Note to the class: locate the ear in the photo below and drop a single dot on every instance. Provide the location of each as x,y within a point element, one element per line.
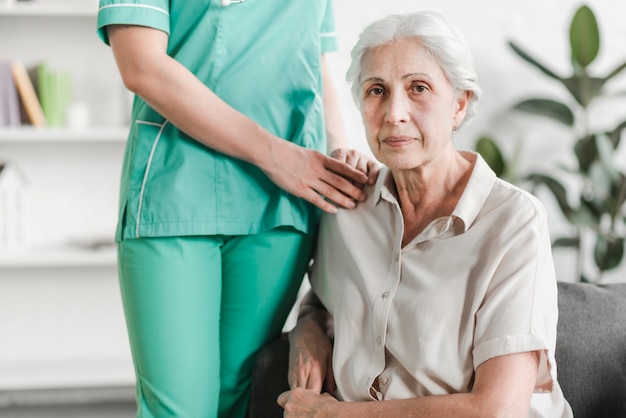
<point>462,100</point>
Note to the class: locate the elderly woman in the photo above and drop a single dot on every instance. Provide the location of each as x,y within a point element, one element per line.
<point>441,286</point>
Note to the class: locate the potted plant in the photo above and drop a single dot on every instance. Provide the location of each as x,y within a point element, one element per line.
<point>600,210</point>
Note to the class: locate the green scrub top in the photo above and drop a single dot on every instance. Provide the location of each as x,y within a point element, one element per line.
<point>263,58</point>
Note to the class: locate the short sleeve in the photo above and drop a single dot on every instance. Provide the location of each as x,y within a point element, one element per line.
<point>150,13</point>
<point>328,31</point>
<point>520,310</point>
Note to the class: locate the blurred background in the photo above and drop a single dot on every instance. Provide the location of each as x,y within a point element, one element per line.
<point>62,334</point>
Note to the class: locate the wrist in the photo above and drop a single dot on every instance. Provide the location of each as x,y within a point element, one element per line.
<point>334,409</point>
<point>264,154</point>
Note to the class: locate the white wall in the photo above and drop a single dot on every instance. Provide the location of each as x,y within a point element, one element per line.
<point>542,28</point>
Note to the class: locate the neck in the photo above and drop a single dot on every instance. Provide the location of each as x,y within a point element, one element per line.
<point>431,191</point>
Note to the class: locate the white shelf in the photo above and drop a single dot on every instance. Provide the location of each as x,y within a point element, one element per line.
<point>56,135</point>
<point>67,373</point>
<point>61,256</point>
<point>55,8</point>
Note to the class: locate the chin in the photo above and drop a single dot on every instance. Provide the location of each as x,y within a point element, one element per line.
<point>396,163</point>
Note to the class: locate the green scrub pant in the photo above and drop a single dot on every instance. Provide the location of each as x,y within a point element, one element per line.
<point>199,308</point>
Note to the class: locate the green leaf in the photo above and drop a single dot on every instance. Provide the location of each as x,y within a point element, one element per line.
<point>586,152</point>
<point>490,151</point>
<point>583,88</point>
<point>519,51</point>
<point>557,189</point>
<point>548,108</point>
<point>566,242</point>
<point>608,254</point>
<point>618,192</point>
<point>584,37</point>
<point>616,134</point>
<point>595,207</point>
<point>582,216</point>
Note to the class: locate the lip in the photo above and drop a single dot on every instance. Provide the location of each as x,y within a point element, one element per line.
<point>398,141</point>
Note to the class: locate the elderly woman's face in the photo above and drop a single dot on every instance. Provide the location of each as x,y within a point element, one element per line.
<point>408,106</point>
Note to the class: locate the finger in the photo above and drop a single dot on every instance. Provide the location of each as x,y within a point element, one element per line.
<point>315,198</point>
<point>362,165</point>
<point>341,185</point>
<point>345,171</point>
<point>303,377</point>
<point>372,172</point>
<point>352,159</point>
<point>339,154</point>
<point>293,378</point>
<point>335,196</point>
<point>315,380</point>
<point>283,398</point>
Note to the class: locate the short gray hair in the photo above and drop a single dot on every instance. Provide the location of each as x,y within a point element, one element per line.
<point>439,36</point>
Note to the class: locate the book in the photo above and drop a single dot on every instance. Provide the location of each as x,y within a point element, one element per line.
<point>55,93</point>
<point>9,102</point>
<point>28,95</point>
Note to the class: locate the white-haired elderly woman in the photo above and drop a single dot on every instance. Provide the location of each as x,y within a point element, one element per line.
<point>441,286</point>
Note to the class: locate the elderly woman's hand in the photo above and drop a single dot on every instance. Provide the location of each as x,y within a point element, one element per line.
<point>360,161</point>
<point>306,403</point>
<point>310,358</point>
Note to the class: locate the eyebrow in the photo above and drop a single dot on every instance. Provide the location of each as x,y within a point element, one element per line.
<point>372,80</point>
<point>404,77</point>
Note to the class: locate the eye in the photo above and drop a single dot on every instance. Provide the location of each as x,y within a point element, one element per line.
<point>418,88</point>
<point>375,91</point>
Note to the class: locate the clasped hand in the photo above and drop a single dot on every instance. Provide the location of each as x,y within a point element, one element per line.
<point>310,372</point>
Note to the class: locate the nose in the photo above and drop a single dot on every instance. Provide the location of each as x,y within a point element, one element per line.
<point>397,110</point>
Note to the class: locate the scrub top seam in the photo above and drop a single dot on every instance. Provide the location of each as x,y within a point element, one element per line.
<point>144,6</point>
<point>145,176</point>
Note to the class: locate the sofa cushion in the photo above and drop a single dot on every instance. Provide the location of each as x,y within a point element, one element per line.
<point>591,348</point>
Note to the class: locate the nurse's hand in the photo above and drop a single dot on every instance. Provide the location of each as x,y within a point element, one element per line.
<point>315,177</point>
<point>310,358</point>
<point>306,403</point>
<point>360,161</point>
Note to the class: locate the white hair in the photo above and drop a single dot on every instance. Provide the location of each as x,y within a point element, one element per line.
<point>439,37</point>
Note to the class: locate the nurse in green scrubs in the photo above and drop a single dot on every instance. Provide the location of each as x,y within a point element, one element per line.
<point>224,174</point>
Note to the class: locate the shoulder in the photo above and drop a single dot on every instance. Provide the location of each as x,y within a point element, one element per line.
<point>511,198</point>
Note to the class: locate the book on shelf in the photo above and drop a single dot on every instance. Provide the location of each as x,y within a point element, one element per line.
<point>9,102</point>
<point>55,93</point>
<point>28,95</point>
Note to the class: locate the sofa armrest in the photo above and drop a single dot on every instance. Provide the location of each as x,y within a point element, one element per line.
<point>591,348</point>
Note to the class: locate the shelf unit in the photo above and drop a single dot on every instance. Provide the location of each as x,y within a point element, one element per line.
<point>49,9</point>
<point>59,294</point>
<point>60,257</point>
<point>28,134</point>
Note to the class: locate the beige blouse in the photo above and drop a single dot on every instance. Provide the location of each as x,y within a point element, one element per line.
<point>419,320</point>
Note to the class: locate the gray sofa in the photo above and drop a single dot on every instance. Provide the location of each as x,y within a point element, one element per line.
<point>590,353</point>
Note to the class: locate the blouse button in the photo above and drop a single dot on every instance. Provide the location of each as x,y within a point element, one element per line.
<point>379,340</point>
<point>385,295</point>
<point>384,380</point>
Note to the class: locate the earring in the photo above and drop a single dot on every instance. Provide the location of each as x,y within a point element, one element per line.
<point>453,130</point>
